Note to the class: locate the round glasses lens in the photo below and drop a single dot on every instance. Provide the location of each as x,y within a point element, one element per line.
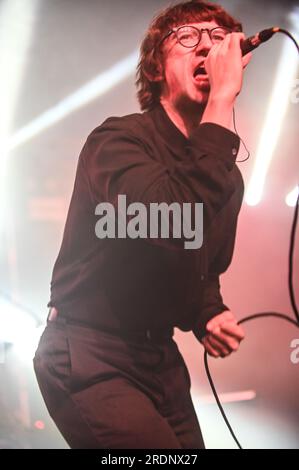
<point>218,34</point>
<point>188,36</point>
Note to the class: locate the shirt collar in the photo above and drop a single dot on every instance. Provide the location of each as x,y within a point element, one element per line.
<point>167,129</point>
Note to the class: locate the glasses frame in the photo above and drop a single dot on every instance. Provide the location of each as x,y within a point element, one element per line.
<point>200,31</point>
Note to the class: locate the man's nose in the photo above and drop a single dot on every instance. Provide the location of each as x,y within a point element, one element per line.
<point>205,44</point>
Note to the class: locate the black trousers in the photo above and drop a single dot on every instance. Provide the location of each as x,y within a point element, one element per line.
<point>106,392</point>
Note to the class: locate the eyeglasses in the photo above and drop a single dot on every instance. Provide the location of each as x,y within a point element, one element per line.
<point>190,36</point>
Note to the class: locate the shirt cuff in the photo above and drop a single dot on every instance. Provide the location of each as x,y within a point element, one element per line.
<point>216,140</point>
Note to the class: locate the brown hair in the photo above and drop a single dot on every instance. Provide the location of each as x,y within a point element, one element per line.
<point>151,54</point>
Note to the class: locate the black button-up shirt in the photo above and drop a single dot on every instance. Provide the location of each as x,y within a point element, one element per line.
<point>143,283</point>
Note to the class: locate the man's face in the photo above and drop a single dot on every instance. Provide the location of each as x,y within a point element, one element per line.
<point>180,83</point>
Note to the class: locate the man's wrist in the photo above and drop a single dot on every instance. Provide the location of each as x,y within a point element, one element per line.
<point>219,110</point>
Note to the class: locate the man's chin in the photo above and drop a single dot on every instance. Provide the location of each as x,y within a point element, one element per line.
<point>202,97</point>
<point>193,102</point>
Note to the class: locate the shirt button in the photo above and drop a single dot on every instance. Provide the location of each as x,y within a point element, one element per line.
<point>202,277</point>
<point>234,151</point>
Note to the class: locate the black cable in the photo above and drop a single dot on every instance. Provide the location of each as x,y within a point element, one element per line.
<point>284,31</point>
<point>244,145</point>
<point>291,257</point>
<point>278,30</point>
<point>265,314</point>
<point>269,314</point>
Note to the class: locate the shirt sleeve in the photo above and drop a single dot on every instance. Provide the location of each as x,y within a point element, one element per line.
<point>212,305</point>
<point>117,162</point>
<point>212,300</point>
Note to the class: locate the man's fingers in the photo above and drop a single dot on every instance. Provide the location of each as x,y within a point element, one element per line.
<point>219,319</point>
<point>224,334</point>
<point>215,348</point>
<point>211,351</point>
<point>218,346</point>
<point>246,59</point>
<point>232,329</point>
<point>226,339</point>
<point>235,39</point>
<point>235,42</point>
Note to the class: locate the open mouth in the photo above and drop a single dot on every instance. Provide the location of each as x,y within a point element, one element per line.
<point>200,73</point>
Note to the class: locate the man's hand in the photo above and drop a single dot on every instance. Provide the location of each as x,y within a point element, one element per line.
<point>224,335</point>
<point>225,66</point>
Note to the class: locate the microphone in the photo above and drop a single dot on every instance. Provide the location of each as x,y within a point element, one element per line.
<point>251,43</point>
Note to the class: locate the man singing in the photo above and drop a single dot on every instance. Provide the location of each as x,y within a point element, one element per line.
<point>111,374</point>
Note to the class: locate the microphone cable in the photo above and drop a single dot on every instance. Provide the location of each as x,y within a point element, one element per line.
<point>287,33</point>
<point>266,314</point>
<point>263,315</point>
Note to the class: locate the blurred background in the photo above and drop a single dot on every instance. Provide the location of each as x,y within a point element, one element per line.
<point>66,65</point>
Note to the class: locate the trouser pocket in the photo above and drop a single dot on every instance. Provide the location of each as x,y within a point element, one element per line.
<point>52,366</point>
